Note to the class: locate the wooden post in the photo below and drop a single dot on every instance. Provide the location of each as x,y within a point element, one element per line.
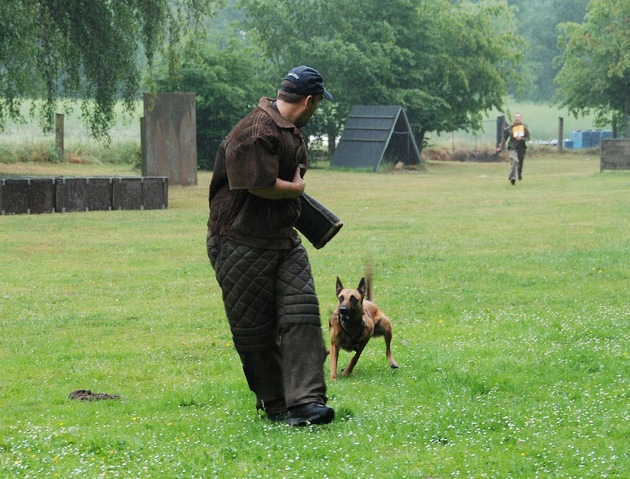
<point>500,127</point>
<point>59,136</point>
<point>143,147</point>
<point>560,133</point>
<point>170,136</point>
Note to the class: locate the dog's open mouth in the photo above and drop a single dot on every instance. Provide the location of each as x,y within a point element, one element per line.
<point>344,314</point>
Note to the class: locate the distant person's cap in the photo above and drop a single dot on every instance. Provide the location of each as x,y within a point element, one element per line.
<point>307,81</point>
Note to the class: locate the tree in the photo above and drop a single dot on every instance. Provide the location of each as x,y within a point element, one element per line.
<point>537,22</point>
<point>595,74</point>
<point>445,62</point>
<point>227,81</point>
<point>464,67</point>
<point>88,51</point>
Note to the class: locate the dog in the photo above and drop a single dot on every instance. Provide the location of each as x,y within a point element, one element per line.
<point>354,322</point>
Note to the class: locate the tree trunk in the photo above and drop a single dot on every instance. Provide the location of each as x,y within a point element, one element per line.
<point>331,143</point>
<point>420,141</point>
<point>626,113</point>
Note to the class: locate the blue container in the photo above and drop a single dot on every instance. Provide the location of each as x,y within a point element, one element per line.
<point>577,138</point>
<point>568,144</point>
<point>588,138</point>
<point>591,139</point>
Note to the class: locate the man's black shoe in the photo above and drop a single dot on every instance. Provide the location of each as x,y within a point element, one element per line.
<point>310,413</point>
<point>512,180</point>
<point>278,416</point>
<point>520,177</point>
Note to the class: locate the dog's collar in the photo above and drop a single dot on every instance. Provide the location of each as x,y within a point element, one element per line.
<point>343,321</point>
<point>354,337</point>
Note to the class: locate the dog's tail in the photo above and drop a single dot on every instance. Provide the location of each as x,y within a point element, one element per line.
<point>369,268</point>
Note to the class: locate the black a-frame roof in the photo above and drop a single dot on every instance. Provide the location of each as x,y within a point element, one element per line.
<point>373,133</point>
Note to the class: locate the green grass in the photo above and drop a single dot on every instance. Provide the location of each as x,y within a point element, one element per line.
<point>24,141</point>
<point>541,119</point>
<point>126,126</point>
<point>510,307</point>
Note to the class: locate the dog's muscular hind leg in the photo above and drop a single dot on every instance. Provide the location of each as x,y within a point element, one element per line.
<point>388,351</point>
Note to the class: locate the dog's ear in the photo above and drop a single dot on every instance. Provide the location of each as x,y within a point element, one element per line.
<point>362,288</point>
<point>339,286</point>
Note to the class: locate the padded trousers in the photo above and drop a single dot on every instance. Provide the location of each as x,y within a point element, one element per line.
<point>273,312</point>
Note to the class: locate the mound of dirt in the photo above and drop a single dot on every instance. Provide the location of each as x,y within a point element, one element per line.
<point>87,395</point>
<point>482,154</point>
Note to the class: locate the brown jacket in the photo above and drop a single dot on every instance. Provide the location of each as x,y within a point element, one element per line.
<point>261,147</point>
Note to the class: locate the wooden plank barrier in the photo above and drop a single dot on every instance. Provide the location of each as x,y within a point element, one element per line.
<point>61,195</point>
<point>614,155</point>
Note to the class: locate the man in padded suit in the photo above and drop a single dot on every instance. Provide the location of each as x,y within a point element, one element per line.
<point>258,257</point>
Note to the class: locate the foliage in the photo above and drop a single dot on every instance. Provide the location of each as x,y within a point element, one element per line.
<point>510,311</point>
<point>123,153</point>
<point>537,22</point>
<point>466,75</point>
<point>445,62</point>
<point>595,74</point>
<point>70,49</point>
<point>227,81</point>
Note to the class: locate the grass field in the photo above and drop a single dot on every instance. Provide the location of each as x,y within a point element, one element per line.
<point>26,140</point>
<point>510,307</point>
<point>542,121</point>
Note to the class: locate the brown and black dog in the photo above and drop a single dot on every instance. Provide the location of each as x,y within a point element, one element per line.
<point>353,323</point>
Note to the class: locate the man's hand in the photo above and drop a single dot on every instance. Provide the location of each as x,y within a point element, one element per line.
<point>283,189</point>
<point>298,180</point>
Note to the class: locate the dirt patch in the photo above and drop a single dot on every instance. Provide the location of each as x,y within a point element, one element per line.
<point>484,155</point>
<point>87,395</point>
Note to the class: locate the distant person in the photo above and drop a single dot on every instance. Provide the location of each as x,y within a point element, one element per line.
<point>515,135</point>
<point>258,258</point>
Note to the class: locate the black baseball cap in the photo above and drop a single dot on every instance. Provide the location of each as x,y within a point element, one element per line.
<point>307,81</point>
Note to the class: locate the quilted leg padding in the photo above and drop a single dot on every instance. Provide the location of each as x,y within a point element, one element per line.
<point>262,291</point>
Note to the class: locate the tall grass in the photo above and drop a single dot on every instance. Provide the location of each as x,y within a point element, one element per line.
<point>126,127</point>
<point>510,307</point>
<point>27,142</point>
<point>541,119</point>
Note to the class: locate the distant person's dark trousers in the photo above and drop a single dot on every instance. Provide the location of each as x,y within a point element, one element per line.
<point>517,158</point>
<point>521,160</point>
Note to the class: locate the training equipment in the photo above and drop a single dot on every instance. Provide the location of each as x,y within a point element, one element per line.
<point>316,222</point>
